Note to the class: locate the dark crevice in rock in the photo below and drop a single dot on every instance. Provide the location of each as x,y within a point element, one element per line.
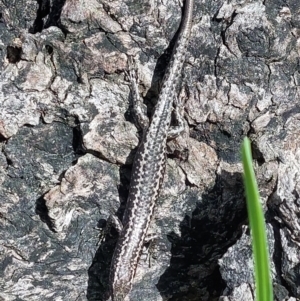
<point>189,184</point>
<point>62,175</point>
<point>2,139</point>
<point>54,15</point>
<point>223,32</point>
<point>13,54</point>
<point>123,188</point>
<point>98,282</point>
<point>49,49</point>
<point>225,133</point>
<point>9,161</point>
<point>257,154</point>
<point>77,141</point>
<point>42,12</point>
<point>43,212</point>
<point>214,226</point>
<point>52,11</point>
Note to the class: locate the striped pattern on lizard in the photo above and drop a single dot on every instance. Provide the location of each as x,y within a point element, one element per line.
<point>148,169</point>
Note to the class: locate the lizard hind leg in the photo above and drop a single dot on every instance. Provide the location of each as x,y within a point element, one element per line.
<point>112,221</point>
<point>149,247</point>
<point>175,131</point>
<point>139,108</point>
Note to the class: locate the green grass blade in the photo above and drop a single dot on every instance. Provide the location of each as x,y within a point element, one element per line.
<point>264,290</point>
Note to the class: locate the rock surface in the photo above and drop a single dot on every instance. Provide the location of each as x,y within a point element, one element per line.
<point>68,139</point>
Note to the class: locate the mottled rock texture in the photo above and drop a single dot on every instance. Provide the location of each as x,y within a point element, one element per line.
<point>68,139</point>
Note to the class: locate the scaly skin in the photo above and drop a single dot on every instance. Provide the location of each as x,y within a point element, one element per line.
<point>148,171</point>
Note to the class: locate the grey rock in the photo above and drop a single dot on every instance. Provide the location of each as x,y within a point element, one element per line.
<point>68,139</point>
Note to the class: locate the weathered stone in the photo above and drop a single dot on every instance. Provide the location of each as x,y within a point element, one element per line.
<point>67,141</point>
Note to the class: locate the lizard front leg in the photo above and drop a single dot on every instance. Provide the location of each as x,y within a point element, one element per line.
<point>139,108</point>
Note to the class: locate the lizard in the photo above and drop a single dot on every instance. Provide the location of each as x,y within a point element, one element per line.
<point>148,166</point>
